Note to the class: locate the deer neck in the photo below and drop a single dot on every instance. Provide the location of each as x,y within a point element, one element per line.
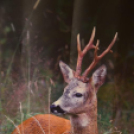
<point>85,123</point>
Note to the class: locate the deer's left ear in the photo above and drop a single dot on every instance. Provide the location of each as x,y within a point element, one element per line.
<point>67,72</point>
<point>98,77</point>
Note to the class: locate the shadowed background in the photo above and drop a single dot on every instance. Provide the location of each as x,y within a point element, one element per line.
<point>36,34</point>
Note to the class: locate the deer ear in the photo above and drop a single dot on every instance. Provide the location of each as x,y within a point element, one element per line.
<point>67,72</point>
<point>98,77</point>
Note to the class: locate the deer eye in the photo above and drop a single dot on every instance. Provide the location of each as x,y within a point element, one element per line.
<point>78,95</point>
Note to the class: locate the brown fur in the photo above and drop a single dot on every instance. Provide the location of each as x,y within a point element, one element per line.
<point>50,124</point>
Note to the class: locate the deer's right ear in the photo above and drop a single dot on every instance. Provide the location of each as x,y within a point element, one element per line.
<point>67,72</point>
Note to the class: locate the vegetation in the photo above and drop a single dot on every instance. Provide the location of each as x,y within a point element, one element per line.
<point>36,34</point>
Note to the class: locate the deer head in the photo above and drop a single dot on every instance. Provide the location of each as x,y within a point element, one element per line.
<point>79,95</point>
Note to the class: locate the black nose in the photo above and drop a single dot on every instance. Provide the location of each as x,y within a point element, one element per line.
<point>56,109</point>
<point>52,108</point>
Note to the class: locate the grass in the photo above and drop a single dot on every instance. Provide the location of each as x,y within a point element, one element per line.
<point>105,123</point>
<point>34,93</point>
<point>42,93</point>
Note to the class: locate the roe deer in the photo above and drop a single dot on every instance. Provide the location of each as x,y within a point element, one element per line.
<point>79,99</point>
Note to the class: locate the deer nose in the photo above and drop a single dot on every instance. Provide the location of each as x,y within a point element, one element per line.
<point>56,109</point>
<point>52,108</point>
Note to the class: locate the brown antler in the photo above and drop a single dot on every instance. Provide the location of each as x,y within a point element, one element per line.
<point>82,53</point>
<point>97,58</point>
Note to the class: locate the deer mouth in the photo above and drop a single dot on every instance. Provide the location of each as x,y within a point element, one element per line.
<point>57,110</point>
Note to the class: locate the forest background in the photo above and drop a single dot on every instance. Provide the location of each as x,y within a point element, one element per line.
<point>36,34</point>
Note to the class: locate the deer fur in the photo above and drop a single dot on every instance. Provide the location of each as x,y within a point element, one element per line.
<point>79,99</point>
<point>82,110</point>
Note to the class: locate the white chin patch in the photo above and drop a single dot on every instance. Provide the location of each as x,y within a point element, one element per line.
<point>84,120</point>
<point>84,123</point>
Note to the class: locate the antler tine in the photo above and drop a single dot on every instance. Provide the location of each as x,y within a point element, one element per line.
<point>82,53</point>
<point>78,43</point>
<point>90,43</point>
<point>97,58</point>
<point>109,47</point>
<point>96,49</point>
<point>79,60</point>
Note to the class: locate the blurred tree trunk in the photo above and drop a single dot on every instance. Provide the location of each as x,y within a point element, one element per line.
<point>83,22</point>
<point>87,14</point>
<point>78,15</point>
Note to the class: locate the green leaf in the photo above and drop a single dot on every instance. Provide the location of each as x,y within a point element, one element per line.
<point>7,29</point>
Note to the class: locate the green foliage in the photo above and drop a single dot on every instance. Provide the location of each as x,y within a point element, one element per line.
<point>0,106</point>
<point>7,29</point>
<point>2,41</point>
<point>7,129</point>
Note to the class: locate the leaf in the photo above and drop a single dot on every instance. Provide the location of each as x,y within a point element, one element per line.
<point>7,29</point>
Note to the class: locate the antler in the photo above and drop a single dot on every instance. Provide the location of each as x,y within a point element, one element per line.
<point>96,57</point>
<point>82,53</point>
